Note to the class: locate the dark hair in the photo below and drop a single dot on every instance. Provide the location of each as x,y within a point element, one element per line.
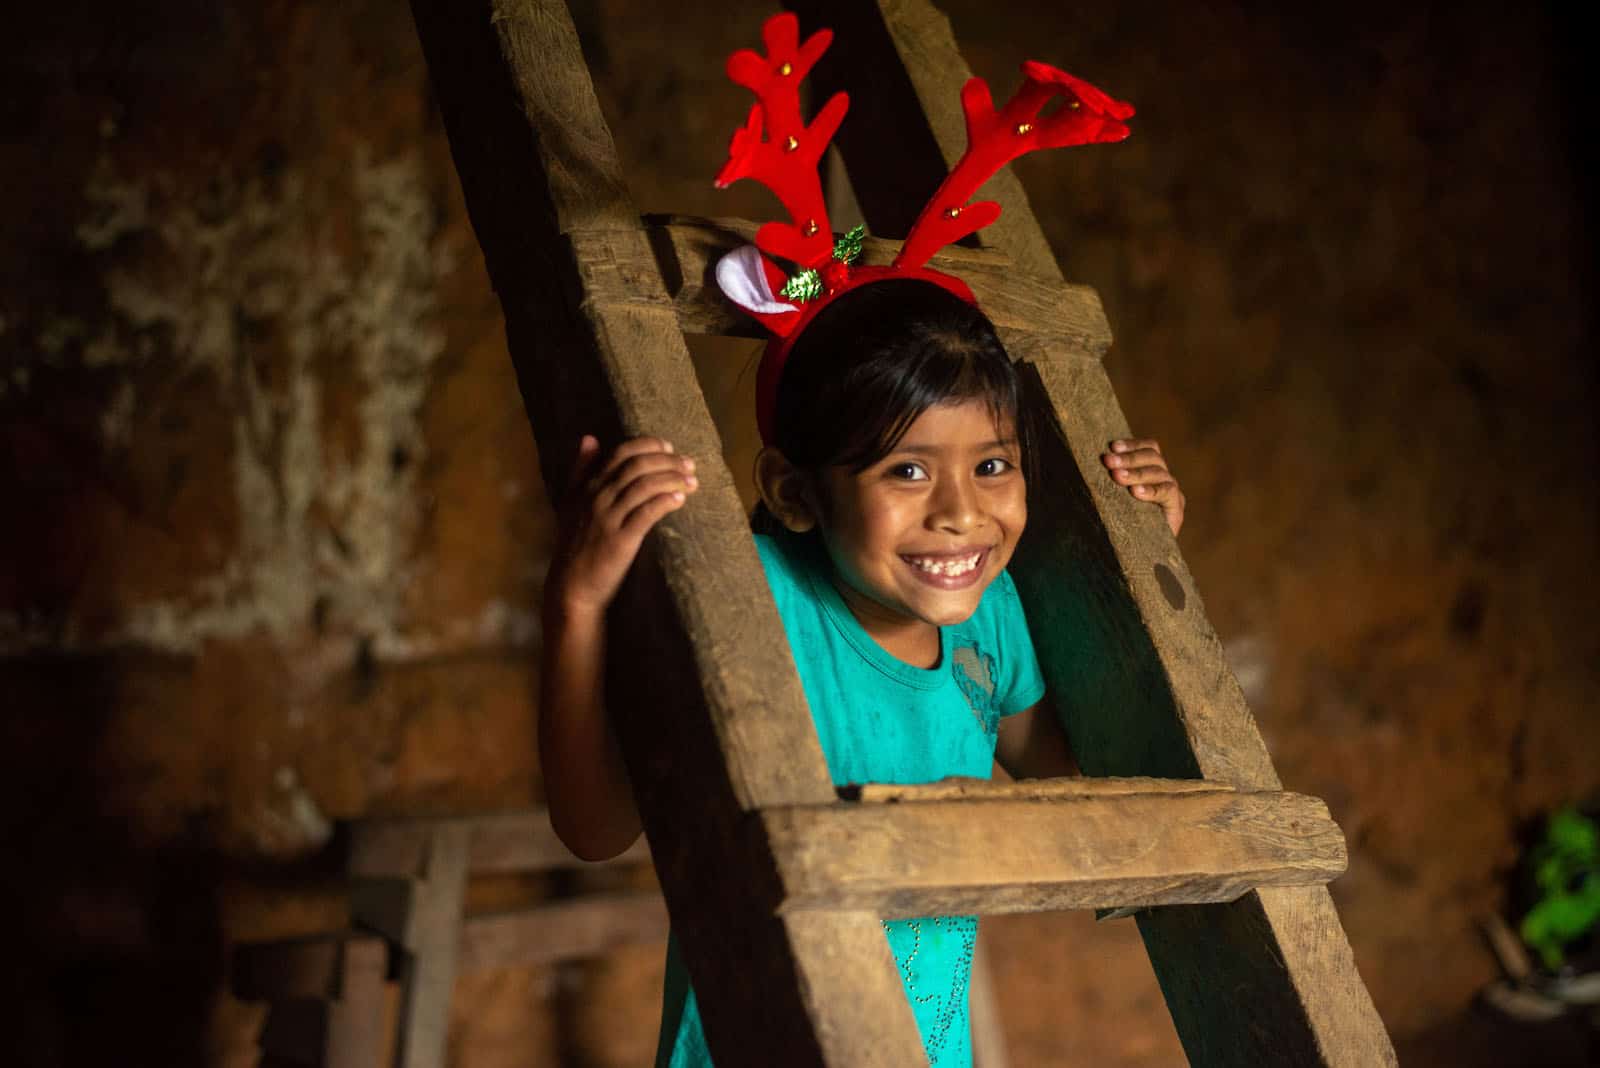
<point>873,361</point>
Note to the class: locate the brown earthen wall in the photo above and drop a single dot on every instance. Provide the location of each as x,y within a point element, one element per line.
<point>275,537</point>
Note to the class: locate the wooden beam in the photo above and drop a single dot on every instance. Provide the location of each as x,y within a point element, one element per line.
<point>950,857</point>
<point>561,931</point>
<point>1032,315</point>
<point>422,913</point>
<point>498,842</point>
<point>329,998</point>
<point>707,695</point>
<point>1120,629</point>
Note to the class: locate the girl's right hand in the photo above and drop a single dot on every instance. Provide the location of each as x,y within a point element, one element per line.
<point>610,506</point>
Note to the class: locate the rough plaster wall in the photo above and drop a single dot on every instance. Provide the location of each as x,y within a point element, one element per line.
<point>278,542</point>
<point>272,496</point>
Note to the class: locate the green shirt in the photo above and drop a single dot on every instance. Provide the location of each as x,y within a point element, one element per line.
<point>880,719</point>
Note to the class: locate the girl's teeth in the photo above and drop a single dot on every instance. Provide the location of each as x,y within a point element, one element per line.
<point>948,569</point>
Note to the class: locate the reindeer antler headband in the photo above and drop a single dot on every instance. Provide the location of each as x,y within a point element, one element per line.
<point>785,161</point>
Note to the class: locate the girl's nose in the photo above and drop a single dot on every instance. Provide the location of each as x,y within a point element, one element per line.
<point>955,507</point>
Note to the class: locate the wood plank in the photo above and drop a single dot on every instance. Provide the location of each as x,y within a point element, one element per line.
<point>561,931</point>
<point>859,1004</point>
<point>1031,314</point>
<point>330,999</point>
<point>498,842</point>
<point>948,857</point>
<point>703,691</point>
<point>423,915</point>
<point>959,788</point>
<point>1120,629</point>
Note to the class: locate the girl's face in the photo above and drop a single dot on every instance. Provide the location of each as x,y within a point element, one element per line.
<point>917,537</point>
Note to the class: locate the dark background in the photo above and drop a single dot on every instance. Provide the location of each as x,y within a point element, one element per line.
<point>276,538</point>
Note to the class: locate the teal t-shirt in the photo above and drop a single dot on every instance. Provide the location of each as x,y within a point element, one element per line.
<point>882,720</point>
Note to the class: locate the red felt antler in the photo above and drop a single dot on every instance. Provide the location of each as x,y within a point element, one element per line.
<point>785,160</point>
<point>1088,116</point>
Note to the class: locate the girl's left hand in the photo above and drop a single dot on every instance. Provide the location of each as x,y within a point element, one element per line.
<point>1137,463</point>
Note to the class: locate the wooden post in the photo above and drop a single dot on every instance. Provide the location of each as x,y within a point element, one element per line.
<point>422,914</point>
<point>1130,657</point>
<point>710,714</point>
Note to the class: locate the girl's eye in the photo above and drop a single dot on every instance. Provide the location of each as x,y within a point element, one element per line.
<point>907,472</point>
<point>993,466</point>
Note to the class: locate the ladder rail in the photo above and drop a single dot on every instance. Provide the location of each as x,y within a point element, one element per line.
<point>710,714</point>
<point>1119,626</point>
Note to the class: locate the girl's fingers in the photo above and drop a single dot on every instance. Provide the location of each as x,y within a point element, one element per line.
<point>1169,497</point>
<point>611,485</point>
<point>648,514</point>
<point>1157,492</point>
<point>1135,458</point>
<point>636,447</point>
<point>583,461</point>
<point>1142,476</point>
<point>629,450</point>
<point>646,488</point>
<point>1135,444</point>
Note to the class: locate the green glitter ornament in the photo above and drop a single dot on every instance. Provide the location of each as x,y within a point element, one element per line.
<point>807,285</point>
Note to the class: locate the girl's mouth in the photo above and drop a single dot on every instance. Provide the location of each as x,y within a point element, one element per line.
<point>948,571</point>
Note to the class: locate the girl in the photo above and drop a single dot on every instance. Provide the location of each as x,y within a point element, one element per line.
<point>893,495</point>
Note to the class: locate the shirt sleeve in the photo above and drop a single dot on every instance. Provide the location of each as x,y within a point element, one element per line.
<point>1021,683</point>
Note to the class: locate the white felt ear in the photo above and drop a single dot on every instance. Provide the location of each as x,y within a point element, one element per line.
<point>743,280</point>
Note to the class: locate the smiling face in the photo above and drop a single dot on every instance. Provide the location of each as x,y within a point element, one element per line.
<point>918,536</point>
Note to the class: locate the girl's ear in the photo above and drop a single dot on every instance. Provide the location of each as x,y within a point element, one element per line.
<point>785,491</point>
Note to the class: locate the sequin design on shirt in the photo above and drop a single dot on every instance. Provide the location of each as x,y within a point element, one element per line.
<point>974,674</point>
<point>949,942</point>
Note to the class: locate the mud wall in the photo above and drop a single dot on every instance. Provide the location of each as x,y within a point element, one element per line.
<point>277,536</point>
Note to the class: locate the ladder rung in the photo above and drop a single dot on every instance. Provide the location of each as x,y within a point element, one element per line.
<point>499,842</point>
<point>1063,844</point>
<point>567,930</point>
<point>1029,312</point>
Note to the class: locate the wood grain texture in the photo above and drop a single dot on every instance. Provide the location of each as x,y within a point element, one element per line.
<point>1032,315</point>
<point>707,705</point>
<point>496,842</point>
<point>350,1025</point>
<point>1140,675</point>
<point>1066,789</point>
<point>942,857</point>
<point>431,937</point>
<point>561,930</point>
<point>861,1013</point>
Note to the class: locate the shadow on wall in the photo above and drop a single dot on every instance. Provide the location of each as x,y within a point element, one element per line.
<point>120,951</point>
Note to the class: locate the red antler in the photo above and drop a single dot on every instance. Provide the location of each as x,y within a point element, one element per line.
<point>786,160</point>
<point>995,138</point>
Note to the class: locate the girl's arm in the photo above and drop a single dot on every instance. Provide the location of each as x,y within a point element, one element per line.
<point>611,506</point>
<point>1032,744</point>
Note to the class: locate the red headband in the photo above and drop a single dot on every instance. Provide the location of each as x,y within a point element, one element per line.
<point>786,162</point>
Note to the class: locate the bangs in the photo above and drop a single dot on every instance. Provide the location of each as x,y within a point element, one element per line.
<point>882,406</point>
<point>873,361</point>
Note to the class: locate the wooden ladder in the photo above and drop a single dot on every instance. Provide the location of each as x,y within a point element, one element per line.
<point>775,884</point>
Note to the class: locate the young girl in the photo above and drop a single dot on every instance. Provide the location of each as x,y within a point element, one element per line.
<point>893,496</point>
